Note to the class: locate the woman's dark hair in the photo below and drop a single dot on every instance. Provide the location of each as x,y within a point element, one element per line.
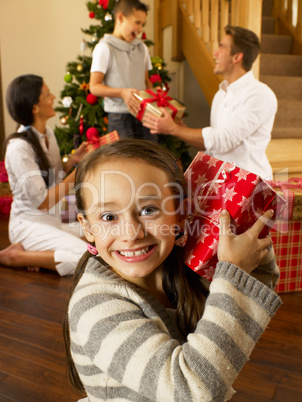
<point>22,94</point>
<point>185,289</point>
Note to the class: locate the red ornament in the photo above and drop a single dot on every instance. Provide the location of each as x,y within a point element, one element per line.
<point>155,78</point>
<point>144,36</point>
<point>81,126</point>
<point>91,99</point>
<point>104,4</point>
<point>92,134</point>
<point>91,14</point>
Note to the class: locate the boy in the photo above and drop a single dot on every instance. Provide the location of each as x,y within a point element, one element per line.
<point>120,64</point>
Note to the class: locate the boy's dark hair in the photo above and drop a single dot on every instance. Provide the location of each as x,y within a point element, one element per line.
<point>22,94</point>
<point>126,7</point>
<point>246,42</point>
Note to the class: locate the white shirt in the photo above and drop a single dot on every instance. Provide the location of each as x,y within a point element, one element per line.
<point>25,178</point>
<point>242,118</point>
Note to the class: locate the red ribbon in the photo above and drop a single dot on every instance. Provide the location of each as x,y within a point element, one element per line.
<point>161,98</point>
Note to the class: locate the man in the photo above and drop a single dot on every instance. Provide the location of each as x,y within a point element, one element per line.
<point>242,113</point>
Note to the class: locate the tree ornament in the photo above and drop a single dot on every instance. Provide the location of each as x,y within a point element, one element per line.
<point>80,68</point>
<point>81,126</point>
<point>95,38</point>
<point>144,36</point>
<point>64,120</point>
<point>91,14</point>
<point>83,46</point>
<point>158,66</point>
<point>67,101</point>
<point>91,99</point>
<point>92,134</point>
<point>108,17</point>
<point>84,86</point>
<point>68,77</point>
<point>65,158</point>
<point>94,1</point>
<point>104,4</point>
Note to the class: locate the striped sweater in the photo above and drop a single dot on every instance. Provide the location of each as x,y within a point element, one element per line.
<point>126,347</point>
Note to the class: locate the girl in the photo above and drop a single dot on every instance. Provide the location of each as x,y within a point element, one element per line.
<point>35,172</point>
<point>140,325</point>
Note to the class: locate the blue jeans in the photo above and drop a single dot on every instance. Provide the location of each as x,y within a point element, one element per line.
<point>129,126</point>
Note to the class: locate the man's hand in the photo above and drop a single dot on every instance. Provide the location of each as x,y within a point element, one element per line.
<point>160,125</point>
<point>245,250</point>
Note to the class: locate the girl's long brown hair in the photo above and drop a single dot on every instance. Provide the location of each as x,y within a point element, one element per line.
<point>185,289</point>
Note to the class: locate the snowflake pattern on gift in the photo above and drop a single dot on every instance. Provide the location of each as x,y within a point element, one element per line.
<point>203,234</point>
<point>242,175</point>
<point>189,257</point>
<point>214,216</point>
<point>214,246</point>
<point>229,194</point>
<point>209,273</point>
<point>201,265</point>
<point>244,204</point>
<point>255,181</point>
<point>215,188</point>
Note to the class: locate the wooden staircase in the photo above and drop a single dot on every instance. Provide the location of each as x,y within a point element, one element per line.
<point>282,71</point>
<point>197,28</point>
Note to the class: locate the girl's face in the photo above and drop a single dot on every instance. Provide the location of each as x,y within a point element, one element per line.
<point>130,27</point>
<point>131,216</point>
<point>44,108</point>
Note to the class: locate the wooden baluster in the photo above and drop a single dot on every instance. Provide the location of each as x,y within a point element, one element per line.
<point>197,14</point>
<point>289,12</point>
<point>235,6</point>
<point>214,33</point>
<point>224,16</point>
<point>299,19</point>
<point>190,7</point>
<point>205,12</point>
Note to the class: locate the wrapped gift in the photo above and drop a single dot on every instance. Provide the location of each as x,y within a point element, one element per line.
<point>287,238</point>
<point>214,186</point>
<point>291,190</point>
<point>95,141</point>
<point>151,100</point>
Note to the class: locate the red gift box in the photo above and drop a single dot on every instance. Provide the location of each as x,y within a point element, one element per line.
<point>287,239</point>
<point>214,186</point>
<point>151,100</point>
<point>95,141</point>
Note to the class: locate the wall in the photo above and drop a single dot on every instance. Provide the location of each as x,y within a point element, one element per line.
<point>40,37</point>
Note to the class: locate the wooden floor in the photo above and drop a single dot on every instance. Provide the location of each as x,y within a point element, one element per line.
<point>32,367</point>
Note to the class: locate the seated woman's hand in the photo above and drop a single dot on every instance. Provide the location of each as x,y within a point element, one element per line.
<point>245,250</point>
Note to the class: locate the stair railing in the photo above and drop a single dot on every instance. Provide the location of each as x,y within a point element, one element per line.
<point>198,25</point>
<point>289,21</point>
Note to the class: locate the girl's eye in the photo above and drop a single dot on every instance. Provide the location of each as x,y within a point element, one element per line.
<point>108,217</point>
<point>147,211</point>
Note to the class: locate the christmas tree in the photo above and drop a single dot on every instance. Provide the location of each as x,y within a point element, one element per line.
<point>81,113</point>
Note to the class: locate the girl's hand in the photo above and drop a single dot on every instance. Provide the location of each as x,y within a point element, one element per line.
<point>245,250</point>
<point>131,101</point>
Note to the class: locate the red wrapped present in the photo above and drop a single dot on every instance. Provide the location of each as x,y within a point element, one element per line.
<point>95,141</point>
<point>214,186</point>
<point>5,204</point>
<point>3,173</point>
<point>287,238</point>
<point>153,99</point>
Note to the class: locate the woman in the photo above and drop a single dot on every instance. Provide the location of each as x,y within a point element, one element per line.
<point>38,182</point>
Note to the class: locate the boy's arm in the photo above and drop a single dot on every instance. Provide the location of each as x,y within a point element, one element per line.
<point>97,88</point>
<point>147,81</point>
